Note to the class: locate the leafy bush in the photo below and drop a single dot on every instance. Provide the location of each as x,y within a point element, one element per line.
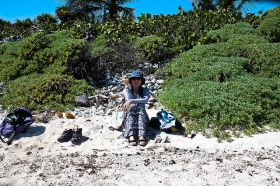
<point>46,22</point>
<point>6,29</point>
<point>99,47</point>
<point>36,91</point>
<point>64,14</point>
<point>180,32</point>
<point>253,19</point>
<point>231,30</point>
<point>104,57</point>
<point>232,84</point>
<point>39,53</point>
<point>185,29</point>
<point>38,71</point>
<point>243,103</point>
<point>152,48</point>
<point>23,26</point>
<point>270,25</point>
<point>119,30</point>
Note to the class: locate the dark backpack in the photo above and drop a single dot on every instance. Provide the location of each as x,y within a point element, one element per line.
<point>16,122</point>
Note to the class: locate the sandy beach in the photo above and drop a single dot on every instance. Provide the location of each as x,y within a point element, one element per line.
<point>105,158</point>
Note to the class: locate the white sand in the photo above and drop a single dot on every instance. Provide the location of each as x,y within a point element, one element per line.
<point>36,158</point>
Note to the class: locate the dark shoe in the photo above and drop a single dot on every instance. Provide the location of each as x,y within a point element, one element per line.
<point>77,136</point>
<point>65,136</point>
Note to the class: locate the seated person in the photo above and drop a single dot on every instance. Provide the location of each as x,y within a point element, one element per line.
<point>135,115</point>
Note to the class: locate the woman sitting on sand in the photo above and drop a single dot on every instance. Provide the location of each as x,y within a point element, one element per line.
<point>135,117</point>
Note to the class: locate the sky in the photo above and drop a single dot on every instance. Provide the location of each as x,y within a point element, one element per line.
<point>11,10</point>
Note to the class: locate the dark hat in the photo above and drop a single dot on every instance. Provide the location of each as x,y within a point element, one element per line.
<point>137,74</point>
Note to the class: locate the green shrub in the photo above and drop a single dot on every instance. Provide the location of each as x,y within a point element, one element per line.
<point>46,22</point>
<point>232,30</point>
<point>253,19</point>
<point>99,47</point>
<point>6,28</point>
<point>152,48</point>
<point>105,57</point>
<point>11,68</point>
<point>230,85</point>
<point>37,91</point>
<point>39,53</point>
<point>37,71</point>
<point>244,103</point>
<point>63,13</point>
<point>270,25</point>
<point>265,59</point>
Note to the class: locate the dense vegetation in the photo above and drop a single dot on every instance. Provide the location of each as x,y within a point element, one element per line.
<point>35,71</point>
<point>223,73</point>
<point>232,84</point>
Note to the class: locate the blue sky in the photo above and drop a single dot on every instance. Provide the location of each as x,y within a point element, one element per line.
<point>21,9</point>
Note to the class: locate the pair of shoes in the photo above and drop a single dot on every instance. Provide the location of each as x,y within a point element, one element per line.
<point>131,141</point>
<point>75,135</point>
<point>142,141</point>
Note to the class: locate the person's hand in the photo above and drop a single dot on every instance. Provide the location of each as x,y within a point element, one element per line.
<point>126,106</point>
<point>125,81</point>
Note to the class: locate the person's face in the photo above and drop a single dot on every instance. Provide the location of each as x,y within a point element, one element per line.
<point>136,82</point>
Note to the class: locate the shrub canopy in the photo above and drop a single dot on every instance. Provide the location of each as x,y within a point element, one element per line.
<point>36,71</point>
<point>232,83</point>
<point>270,25</point>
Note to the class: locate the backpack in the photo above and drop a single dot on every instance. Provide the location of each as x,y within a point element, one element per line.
<point>165,121</point>
<point>15,122</point>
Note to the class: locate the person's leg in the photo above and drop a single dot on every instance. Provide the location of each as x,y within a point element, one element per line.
<point>142,126</point>
<point>131,127</point>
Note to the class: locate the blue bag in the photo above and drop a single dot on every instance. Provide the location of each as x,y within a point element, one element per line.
<point>166,119</point>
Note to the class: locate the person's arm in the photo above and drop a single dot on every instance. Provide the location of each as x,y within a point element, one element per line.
<point>125,81</point>
<point>127,94</point>
<point>127,97</point>
<point>144,100</point>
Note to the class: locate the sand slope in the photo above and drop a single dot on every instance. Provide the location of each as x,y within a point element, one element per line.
<point>36,158</point>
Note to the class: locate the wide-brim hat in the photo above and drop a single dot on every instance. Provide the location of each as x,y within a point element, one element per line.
<point>137,74</point>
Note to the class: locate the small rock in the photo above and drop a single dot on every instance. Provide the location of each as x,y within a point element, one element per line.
<point>147,162</point>
<point>165,139</point>
<point>152,99</point>
<point>41,174</point>
<point>160,81</point>
<point>158,139</point>
<point>89,171</point>
<point>171,162</point>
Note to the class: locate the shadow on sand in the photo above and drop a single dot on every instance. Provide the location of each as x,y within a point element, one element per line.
<point>32,131</point>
